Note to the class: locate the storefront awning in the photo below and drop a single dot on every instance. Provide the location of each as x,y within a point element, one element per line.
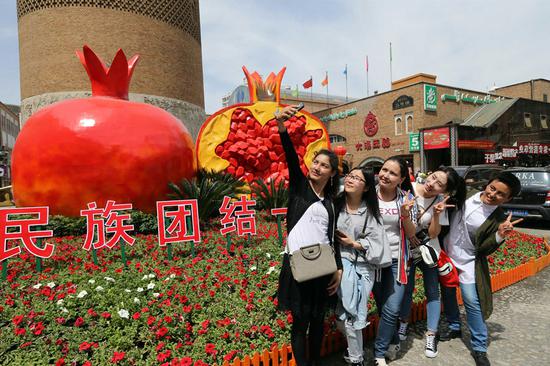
<point>487,114</point>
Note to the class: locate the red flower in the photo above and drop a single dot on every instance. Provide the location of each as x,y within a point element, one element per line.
<point>38,328</point>
<point>84,346</point>
<point>60,362</point>
<point>161,332</point>
<point>105,315</point>
<point>136,315</point>
<point>20,331</point>
<point>60,320</point>
<point>163,356</point>
<point>117,356</point>
<point>17,319</point>
<point>210,349</point>
<point>26,344</point>
<point>79,322</point>
<point>87,363</point>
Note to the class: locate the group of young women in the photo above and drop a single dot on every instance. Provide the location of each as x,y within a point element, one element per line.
<point>374,230</point>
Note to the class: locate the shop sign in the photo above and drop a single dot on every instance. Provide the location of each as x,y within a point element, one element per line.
<point>430,97</point>
<point>491,158</point>
<point>370,126</point>
<point>403,101</point>
<point>533,148</point>
<point>368,145</point>
<point>339,115</point>
<point>414,142</point>
<point>509,152</point>
<point>466,98</point>
<point>476,144</point>
<point>437,138</point>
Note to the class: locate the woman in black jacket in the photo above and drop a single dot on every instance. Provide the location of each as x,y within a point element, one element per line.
<point>310,220</point>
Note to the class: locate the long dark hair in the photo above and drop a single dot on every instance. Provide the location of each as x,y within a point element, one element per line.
<point>331,188</point>
<point>369,196</point>
<point>404,169</point>
<point>456,187</point>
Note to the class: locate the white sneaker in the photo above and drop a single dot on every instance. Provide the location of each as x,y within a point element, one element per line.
<point>391,353</point>
<point>431,346</point>
<point>380,362</point>
<point>402,331</point>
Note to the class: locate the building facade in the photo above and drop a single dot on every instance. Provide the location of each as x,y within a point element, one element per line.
<point>166,34</point>
<point>313,102</point>
<point>9,129</point>
<point>430,124</point>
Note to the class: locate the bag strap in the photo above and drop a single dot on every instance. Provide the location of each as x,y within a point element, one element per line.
<point>427,208</point>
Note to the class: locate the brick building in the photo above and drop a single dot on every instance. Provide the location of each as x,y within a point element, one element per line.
<point>429,124</point>
<point>9,129</point>
<point>166,34</point>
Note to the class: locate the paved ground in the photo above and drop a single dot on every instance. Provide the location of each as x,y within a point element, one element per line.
<point>519,330</point>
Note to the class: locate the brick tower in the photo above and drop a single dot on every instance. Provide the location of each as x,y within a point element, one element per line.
<point>166,33</point>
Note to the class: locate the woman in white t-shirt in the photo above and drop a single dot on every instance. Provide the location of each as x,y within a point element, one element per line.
<point>432,214</point>
<point>398,211</point>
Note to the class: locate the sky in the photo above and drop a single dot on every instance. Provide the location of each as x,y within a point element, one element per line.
<point>469,43</point>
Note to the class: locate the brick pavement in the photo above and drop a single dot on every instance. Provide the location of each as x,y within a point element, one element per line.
<point>519,330</point>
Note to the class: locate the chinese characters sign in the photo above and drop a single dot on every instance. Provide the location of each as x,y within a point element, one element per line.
<point>430,97</point>
<point>414,142</point>
<point>437,138</point>
<point>178,221</point>
<point>368,145</point>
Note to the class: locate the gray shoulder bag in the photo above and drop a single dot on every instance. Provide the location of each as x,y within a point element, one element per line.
<point>314,261</point>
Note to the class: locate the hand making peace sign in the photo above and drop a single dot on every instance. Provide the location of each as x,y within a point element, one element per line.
<point>442,206</point>
<point>507,226</point>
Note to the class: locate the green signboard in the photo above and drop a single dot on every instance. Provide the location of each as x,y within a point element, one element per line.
<point>430,97</point>
<point>414,142</point>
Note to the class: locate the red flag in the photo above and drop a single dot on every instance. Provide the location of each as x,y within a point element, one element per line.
<point>367,63</point>
<point>308,84</point>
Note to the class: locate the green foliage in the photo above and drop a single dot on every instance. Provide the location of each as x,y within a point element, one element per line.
<point>208,188</point>
<point>144,223</point>
<point>270,195</point>
<point>65,226</point>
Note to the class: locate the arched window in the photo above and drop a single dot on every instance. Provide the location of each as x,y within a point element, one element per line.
<point>398,125</point>
<point>337,138</point>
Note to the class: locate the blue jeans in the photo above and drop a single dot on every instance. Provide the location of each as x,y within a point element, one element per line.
<point>431,288</point>
<point>474,317</point>
<point>388,294</point>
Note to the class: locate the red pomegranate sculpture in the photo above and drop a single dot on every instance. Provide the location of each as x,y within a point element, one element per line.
<point>100,148</point>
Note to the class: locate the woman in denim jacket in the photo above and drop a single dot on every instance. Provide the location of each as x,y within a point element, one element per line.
<point>361,237</point>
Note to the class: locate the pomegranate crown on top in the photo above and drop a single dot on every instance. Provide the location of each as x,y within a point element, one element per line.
<point>268,90</point>
<point>113,81</point>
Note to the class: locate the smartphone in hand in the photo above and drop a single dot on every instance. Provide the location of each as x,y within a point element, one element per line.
<point>299,107</point>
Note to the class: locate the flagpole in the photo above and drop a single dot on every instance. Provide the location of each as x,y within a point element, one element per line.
<point>367,67</point>
<point>391,77</point>
<point>326,78</point>
<point>346,83</point>
<point>311,91</point>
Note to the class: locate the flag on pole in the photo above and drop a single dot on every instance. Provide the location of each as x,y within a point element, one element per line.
<point>346,71</point>
<point>367,63</point>
<point>308,84</point>
<point>325,82</point>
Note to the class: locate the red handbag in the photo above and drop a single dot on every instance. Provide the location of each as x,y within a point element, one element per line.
<point>448,274</point>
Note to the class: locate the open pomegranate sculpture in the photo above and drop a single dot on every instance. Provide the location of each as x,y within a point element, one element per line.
<point>243,139</point>
<point>100,148</point>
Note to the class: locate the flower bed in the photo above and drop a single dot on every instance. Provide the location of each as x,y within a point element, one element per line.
<point>188,311</point>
